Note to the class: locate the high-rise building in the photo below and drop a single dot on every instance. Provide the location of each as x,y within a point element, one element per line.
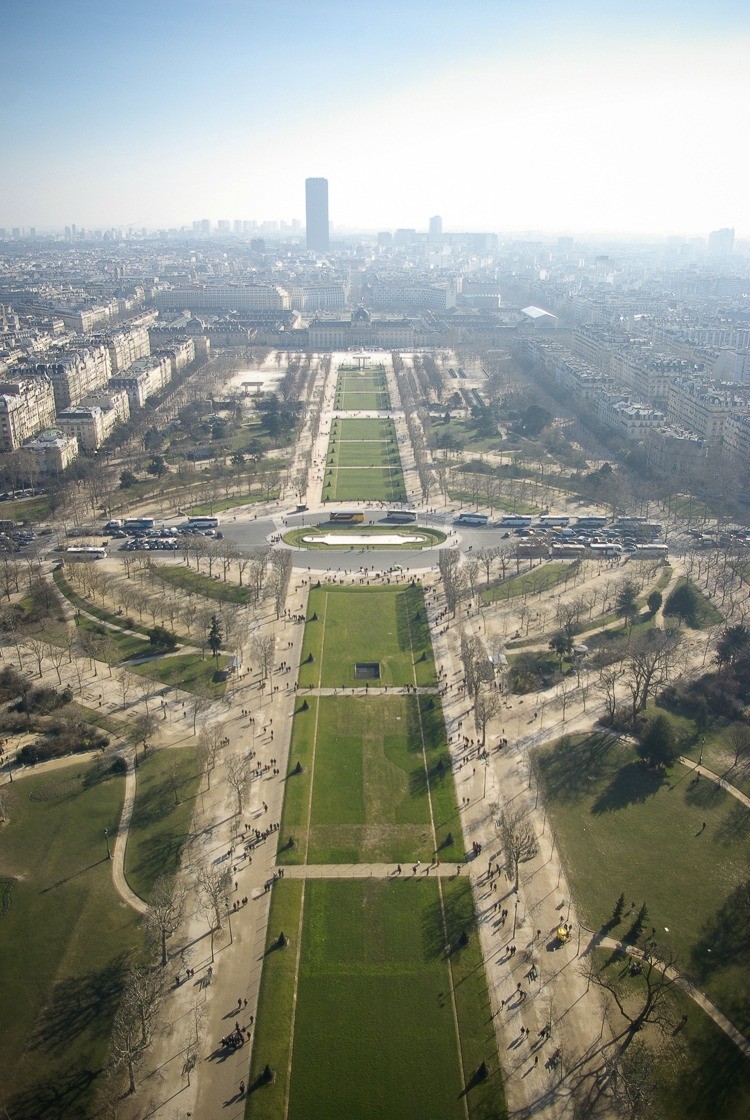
<point>721,242</point>
<point>436,228</point>
<point>316,214</point>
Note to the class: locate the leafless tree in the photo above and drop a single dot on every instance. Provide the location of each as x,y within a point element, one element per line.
<point>262,650</point>
<point>210,742</point>
<point>486,706</point>
<point>214,884</point>
<point>167,905</point>
<point>737,736</point>
<point>648,664</point>
<point>238,773</point>
<point>648,998</point>
<point>517,838</point>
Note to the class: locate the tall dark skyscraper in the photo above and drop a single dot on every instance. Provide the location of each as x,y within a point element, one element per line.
<point>316,210</point>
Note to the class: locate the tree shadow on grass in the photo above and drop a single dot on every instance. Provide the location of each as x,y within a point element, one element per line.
<point>157,855</point>
<point>55,1097</point>
<point>568,770</point>
<point>712,1079</point>
<point>704,794</point>
<point>725,937</point>
<point>630,785</point>
<point>735,826</point>
<point>75,1004</point>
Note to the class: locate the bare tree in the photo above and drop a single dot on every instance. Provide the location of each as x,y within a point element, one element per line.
<point>214,884</point>
<point>167,904</point>
<point>737,736</point>
<point>262,650</point>
<point>486,706</point>
<point>210,742</point>
<point>646,999</point>
<point>648,664</point>
<point>238,773</point>
<point>518,840</point>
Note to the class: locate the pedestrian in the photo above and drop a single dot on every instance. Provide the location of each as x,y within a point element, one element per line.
<point>242,1087</point>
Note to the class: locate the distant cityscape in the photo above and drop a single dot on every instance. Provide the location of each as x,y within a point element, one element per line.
<point>652,340</point>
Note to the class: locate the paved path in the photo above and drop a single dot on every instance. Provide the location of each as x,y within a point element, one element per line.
<point>121,840</point>
<point>371,870</point>
<point>696,994</point>
<point>725,785</point>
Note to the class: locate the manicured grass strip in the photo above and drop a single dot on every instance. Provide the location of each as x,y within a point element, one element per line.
<point>185,578</point>
<point>363,453</point>
<point>448,832</point>
<point>621,827</point>
<point>115,725</point>
<point>537,579</point>
<point>706,614</point>
<point>369,802</point>
<point>186,670</point>
<point>373,991</point>
<point>362,401</point>
<point>167,782</point>
<point>294,820</point>
<point>272,1041</point>
<point>367,624</point>
<point>127,645</point>
<point>85,605</point>
<point>363,429</point>
<point>486,1098</point>
<point>376,484</point>
<point>499,504</point>
<point>65,941</point>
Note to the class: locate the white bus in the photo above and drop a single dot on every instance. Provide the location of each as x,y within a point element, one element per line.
<point>513,521</point>
<point>80,552</point>
<point>555,522</point>
<point>203,522</point>
<point>591,521</point>
<point>650,552</point>
<point>609,551</point>
<point>472,519</point>
<point>401,515</point>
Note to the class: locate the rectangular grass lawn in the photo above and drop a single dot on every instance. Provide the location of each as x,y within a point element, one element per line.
<point>363,400</point>
<point>372,484</point>
<point>387,625</point>
<point>622,828</point>
<point>370,799</point>
<point>363,453</point>
<point>65,941</point>
<point>363,429</point>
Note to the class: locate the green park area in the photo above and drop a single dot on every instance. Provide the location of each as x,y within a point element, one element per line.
<point>379,771</point>
<point>190,671</point>
<point>679,847</point>
<point>362,390</point>
<point>369,976</point>
<point>363,463</point>
<point>351,625</point>
<point>365,484</point>
<point>65,940</point>
<point>167,783</point>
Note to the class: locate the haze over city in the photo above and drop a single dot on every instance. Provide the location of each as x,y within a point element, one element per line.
<point>575,117</point>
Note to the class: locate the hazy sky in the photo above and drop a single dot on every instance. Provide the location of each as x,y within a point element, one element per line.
<point>497,114</point>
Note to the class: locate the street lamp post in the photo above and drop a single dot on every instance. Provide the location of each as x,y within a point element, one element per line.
<point>106,841</point>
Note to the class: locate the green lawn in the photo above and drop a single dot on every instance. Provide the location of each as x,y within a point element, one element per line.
<point>85,605</point>
<point>706,614</point>
<point>363,453</point>
<point>372,989</point>
<point>185,670</point>
<point>362,400</point>
<point>65,942</point>
<point>370,800</point>
<point>127,645</point>
<point>622,828</point>
<point>208,509</point>
<point>160,821</point>
<point>387,625</point>
<point>366,485</point>
<point>537,579</point>
<point>363,429</point>
<point>199,584</point>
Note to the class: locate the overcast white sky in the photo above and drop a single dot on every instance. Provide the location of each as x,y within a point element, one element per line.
<point>496,114</point>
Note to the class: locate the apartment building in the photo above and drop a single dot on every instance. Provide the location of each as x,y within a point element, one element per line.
<point>145,377</point>
<point>27,405</point>
<point>54,450</point>
<point>250,297</point>
<point>74,373</point>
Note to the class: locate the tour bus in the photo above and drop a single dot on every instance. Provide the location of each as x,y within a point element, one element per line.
<point>203,522</point>
<point>554,522</point>
<point>472,519</point>
<point>80,552</point>
<point>650,552</point>
<point>138,523</point>
<point>511,521</point>
<point>591,521</point>
<point>347,517</point>
<point>567,548</point>
<point>401,515</point>
<point>608,551</point>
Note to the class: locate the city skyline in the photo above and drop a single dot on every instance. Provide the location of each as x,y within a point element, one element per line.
<point>506,117</point>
